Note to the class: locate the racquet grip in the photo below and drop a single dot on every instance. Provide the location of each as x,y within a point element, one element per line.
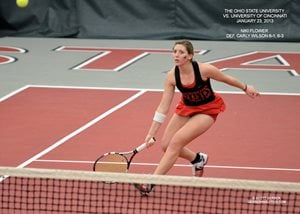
<point>144,145</point>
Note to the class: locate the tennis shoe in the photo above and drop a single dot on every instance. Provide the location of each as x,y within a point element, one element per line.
<point>144,189</point>
<point>198,168</point>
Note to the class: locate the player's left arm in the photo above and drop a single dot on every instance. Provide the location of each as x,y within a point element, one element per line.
<point>210,71</point>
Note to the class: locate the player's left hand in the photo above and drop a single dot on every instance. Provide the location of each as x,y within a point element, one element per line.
<point>252,92</point>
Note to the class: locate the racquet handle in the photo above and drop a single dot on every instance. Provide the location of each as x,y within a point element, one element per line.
<point>144,145</point>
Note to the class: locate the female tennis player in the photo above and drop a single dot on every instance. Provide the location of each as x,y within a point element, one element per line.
<point>195,113</point>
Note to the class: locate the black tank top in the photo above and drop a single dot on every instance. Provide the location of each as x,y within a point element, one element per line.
<point>201,93</point>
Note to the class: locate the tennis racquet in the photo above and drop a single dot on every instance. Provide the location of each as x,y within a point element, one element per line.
<point>117,161</point>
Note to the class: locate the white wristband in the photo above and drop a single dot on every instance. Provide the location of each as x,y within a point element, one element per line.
<point>159,117</point>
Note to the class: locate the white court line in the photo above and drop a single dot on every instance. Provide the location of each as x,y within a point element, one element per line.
<point>153,90</point>
<point>81,129</point>
<point>181,165</point>
<point>129,89</point>
<point>14,93</point>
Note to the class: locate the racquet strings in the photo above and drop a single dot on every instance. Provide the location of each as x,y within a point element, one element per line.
<point>112,163</point>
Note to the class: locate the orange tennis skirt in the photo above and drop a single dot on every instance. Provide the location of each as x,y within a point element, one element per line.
<point>212,108</point>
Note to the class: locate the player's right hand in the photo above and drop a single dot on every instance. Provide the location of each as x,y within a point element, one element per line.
<point>149,140</point>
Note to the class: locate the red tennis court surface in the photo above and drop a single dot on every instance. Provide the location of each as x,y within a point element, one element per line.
<point>68,128</point>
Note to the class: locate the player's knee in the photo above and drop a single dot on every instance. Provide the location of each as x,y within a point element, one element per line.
<point>173,146</point>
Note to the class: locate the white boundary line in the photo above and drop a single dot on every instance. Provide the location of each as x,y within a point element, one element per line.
<point>10,59</point>
<point>291,71</point>
<point>278,56</point>
<point>181,165</point>
<point>151,90</point>
<point>135,59</point>
<point>14,93</point>
<point>102,54</point>
<point>82,128</point>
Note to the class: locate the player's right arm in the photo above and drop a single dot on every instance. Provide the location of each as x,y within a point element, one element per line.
<point>164,105</point>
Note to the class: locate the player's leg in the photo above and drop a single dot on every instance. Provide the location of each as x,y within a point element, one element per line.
<point>190,129</point>
<point>175,123</point>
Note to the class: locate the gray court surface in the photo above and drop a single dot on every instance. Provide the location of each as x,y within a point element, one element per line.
<point>41,65</point>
